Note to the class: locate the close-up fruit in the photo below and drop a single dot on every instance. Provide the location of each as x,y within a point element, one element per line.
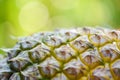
<point>67,54</point>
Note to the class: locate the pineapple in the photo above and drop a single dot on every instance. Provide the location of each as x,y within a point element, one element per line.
<point>75,54</point>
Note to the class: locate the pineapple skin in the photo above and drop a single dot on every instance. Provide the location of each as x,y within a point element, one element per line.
<point>75,54</point>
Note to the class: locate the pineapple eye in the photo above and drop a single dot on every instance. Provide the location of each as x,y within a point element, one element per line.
<point>81,45</point>
<point>114,35</point>
<point>64,53</point>
<point>19,64</point>
<point>115,69</point>
<point>109,52</point>
<point>13,52</point>
<point>39,53</point>
<point>91,58</point>
<point>49,67</point>
<point>52,40</point>
<point>101,73</point>
<point>27,45</point>
<point>98,39</point>
<point>75,69</point>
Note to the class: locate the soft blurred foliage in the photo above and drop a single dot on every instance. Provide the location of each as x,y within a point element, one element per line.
<point>24,17</point>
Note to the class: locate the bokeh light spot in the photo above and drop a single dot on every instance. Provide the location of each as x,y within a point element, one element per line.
<point>33,16</point>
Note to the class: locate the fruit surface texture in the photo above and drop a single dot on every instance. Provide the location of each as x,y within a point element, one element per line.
<point>75,54</point>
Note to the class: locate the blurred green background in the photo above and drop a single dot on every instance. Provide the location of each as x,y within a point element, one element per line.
<point>24,17</point>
